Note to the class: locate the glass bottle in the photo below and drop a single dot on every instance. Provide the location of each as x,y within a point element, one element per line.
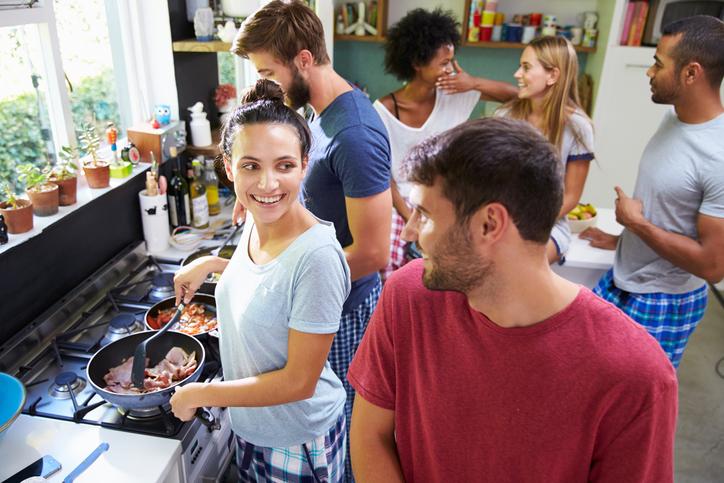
<point>199,204</point>
<point>178,198</point>
<point>212,188</point>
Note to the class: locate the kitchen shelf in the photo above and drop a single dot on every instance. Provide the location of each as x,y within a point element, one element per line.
<point>192,45</point>
<point>207,151</point>
<point>516,45</point>
<point>360,38</point>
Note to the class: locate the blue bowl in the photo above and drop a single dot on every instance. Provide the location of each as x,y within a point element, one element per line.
<point>12,399</point>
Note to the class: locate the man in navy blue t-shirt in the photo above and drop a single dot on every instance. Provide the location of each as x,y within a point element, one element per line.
<point>348,175</point>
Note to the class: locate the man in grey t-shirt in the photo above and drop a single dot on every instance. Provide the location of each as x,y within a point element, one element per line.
<point>673,239</point>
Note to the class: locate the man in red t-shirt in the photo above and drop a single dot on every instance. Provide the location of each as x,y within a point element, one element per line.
<point>480,363</point>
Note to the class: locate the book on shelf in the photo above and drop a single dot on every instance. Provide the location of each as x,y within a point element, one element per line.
<point>654,6</point>
<point>638,22</point>
<point>630,7</point>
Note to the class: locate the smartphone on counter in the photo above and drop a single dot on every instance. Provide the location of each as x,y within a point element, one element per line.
<point>45,466</point>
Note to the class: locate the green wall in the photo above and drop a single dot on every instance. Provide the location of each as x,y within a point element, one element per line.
<point>595,60</point>
<point>363,63</point>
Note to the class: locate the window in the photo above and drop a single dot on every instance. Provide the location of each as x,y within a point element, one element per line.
<point>57,72</point>
<point>86,55</point>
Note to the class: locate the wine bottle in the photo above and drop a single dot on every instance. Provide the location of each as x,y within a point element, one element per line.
<point>199,204</point>
<point>178,197</point>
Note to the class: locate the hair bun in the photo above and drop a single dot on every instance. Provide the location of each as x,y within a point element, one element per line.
<point>263,90</point>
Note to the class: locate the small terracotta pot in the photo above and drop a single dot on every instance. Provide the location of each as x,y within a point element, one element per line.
<point>99,175</point>
<point>20,219</point>
<point>45,199</point>
<point>68,189</point>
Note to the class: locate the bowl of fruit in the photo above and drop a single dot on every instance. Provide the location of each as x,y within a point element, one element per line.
<point>581,217</point>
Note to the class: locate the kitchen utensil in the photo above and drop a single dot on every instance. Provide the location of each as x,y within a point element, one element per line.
<point>12,400</point>
<point>139,355</point>
<point>102,448</point>
<point>223,251</point>
<point>118,351</point>
<point>208,301</point>
<point>215,251</point>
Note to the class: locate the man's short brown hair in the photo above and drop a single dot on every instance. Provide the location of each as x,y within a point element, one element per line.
<point>283,28</point>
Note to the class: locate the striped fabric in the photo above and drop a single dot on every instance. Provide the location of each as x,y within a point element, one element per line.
<point>397,246</point>
<point>351,329</point>
<point>670,318</point>
<point>294,464</point>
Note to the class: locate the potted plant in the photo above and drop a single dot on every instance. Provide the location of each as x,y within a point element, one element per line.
<point>97,172</point>
<point>64,174</point>
<point>18,212</point>
<point>43,194</point>
<point>119,167</point>
<point>225,100</point>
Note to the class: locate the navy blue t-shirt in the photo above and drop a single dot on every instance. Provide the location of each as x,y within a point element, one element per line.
<point>350,157</point>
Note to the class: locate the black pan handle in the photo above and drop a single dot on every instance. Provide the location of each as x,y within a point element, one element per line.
<point>207,419</point>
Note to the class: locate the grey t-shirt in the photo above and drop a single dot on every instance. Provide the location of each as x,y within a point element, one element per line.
<point>303,289</point>
<point>681,174</point>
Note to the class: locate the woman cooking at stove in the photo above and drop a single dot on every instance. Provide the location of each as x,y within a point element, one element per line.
<point>279,302</point>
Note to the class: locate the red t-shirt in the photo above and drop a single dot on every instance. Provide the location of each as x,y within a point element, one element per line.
<point>586,395</point>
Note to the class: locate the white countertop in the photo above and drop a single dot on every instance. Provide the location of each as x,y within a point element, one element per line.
<point>130,458</point>
<point>582,255</point>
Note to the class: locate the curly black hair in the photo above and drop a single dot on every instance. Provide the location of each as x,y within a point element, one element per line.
<point>414,40</point>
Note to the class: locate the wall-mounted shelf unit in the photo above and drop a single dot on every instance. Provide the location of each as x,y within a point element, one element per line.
<point>516,45</point>
<point>501,45</point>
<point>192,45</point>
<point>380,25</point>
<point>359,38</point>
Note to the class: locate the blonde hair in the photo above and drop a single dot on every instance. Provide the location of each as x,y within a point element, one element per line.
<point>561,99</point>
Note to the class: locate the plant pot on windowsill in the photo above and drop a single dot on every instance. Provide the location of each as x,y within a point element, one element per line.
<point>68,189</point>
<point>45,199</point>
<point>18,218</point>
<point>121,169</point>
<point>64,174</point>
<point>98,174</point>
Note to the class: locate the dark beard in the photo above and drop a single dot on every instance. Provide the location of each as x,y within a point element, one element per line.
<point>298,93</point>
<point>456,267</point>
<point>667,97</point>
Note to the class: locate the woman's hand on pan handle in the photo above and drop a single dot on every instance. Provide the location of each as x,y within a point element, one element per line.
<point>183,402</point>
<point>189,278</point>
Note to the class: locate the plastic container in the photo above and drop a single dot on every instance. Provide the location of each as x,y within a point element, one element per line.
<point>486,33</point>
<point>200,126</point>
<point>529,32</point>
<point>239,8</point>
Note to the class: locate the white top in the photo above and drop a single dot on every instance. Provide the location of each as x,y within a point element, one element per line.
<point>449,111</point>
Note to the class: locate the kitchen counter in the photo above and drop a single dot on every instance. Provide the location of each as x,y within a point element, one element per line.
<point>130,457</point>
<point>584,263</point>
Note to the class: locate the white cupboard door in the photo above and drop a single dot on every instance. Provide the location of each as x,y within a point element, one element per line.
<point>624,120</point>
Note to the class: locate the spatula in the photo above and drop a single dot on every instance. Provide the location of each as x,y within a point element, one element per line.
<point>215,252</point>
<point>139,356</point>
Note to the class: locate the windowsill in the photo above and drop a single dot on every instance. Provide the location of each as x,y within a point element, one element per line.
<point>84,196</point>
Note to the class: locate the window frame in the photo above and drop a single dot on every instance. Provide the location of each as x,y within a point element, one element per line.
<point>42,15</point>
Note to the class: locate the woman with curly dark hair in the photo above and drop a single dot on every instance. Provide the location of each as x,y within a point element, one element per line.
<point>420,52</point>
